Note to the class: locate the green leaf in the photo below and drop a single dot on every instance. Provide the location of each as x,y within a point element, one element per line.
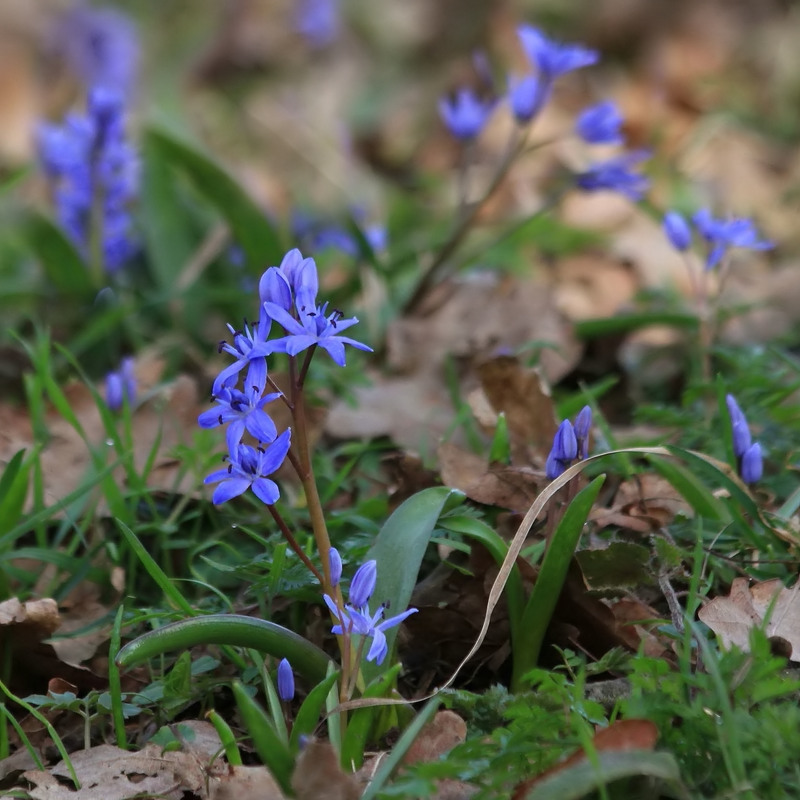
<point>249,225</point>
<point>272,750</point>
<point>393,760</point>
<point>230,629</point>
<point>625,323</point>
<point>362,719</point>
<point>399,549</point>
<point>167,229</point>
<point>585,778</point>
<point>62,263</point>
<point>307,718</point>
<point>550,580</point>
<point>13,490</point>
<point>178,682</point>
<point>621,565</point>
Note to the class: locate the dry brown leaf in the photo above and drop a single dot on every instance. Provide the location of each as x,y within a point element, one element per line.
<point>245,783</point>
<point>437,738</point>
<point>318,776</point>
<point>733,617</point>
<point>110,773</point>
<point>514,488</point>
<point>524,397</point>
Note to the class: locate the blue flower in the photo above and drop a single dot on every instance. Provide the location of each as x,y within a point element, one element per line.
<point>87,159</point>
<point>465,114</point>
<point>249,468</point>
<point>101,45</point>
<point>244,411</point>
<point>677,230</point>
<point>121,385</point>
<point>335,561</point>
<point>752,464</point>
<point>553,58</point>
<point>317,21</point>
<point>563,452</point>
<point>616,175</point>
<point>285,681</point>
<point>363,584</point>
<point>526,96</point>
<point>582,428</point>
<point>720,235</point>
<point>600,124</point>
<point>740,431</point>
<point>250,348</point>
<point>313,328</point>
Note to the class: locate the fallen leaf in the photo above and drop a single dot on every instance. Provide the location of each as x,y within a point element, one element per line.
<point>437,738</point>
<point>245,783</point>
<point>733,617</point>
<point>318,776</point>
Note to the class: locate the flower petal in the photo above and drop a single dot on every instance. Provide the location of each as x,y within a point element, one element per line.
<point>229,489</point>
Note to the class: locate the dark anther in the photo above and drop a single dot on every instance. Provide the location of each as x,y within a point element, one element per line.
<point>220,419</point>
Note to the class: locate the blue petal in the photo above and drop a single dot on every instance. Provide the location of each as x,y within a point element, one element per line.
<point>229,489</point>
<point>266,491</point>
<point>260,425</point>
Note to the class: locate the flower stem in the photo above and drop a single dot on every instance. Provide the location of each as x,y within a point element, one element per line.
<point>287,534</point>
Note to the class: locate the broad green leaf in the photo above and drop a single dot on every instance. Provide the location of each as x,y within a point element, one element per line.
<point>13,490</point>
<point>62,263</point>
<point>250,227</point>
<point>307,718</point>
<point>229,629</point>
<point>550,580</point>
<point>399,550</point>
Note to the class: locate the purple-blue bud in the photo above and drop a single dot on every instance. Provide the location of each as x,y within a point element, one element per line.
<point>677,230</point>
<point>526,96</point>
<point>285,681</point>
<point>363,584</point>
<point>565,443</point>
<point>274,288</point>
<point>583,424</point>
<point>739,428</point>
<point>752,464</point>
<point>335,561</point>
<point>600,124</point>
<point>553,467</point>
<point>465,114</point>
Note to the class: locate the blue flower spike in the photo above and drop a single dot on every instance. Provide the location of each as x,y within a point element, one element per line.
<point>285,681</point>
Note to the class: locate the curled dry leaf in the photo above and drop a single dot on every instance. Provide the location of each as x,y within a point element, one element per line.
<point>318,776</point>
<point>733,617</point>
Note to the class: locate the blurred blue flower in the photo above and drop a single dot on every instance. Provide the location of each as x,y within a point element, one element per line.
<point>285,681</point>
<point>121,385</point>
<point>600,124</point>
<point>88,161</point>
<point>526,96</point>
<point>749,459</point>
<point>250,468</point>
<point>616,174</point>
<point>101,45</point>
<point>317,21</point>
<point>720,235</point>
<point>465,114</point>
<point>554,58</point>
<point>582,428</point>
<point>677,230</point>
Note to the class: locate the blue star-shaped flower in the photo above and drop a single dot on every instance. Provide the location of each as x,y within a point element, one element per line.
<point>313,328</point>
<point>551,57</point>
<point>249,468</point>
<point>244,411</point>
<point>465,114</point>
<point>616,175</point>
<point>250,348</point>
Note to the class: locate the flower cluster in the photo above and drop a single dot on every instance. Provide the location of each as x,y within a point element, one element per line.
<point>355,617</point>
<point>466,114</point>
<point>93,172</point>
<point>749,460</point>
<point>718,235</point>
<point>570,442</point>
<point>288,296</point>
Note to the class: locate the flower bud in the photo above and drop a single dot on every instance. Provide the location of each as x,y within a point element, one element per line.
<point>363,584</point>
<point>285,681</point>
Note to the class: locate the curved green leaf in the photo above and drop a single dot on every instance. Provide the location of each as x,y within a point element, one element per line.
<point>399,550</point>
<point>230,629</point>
<point>307,718</point>
<point>550,580</point>
<point>250,227</point>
